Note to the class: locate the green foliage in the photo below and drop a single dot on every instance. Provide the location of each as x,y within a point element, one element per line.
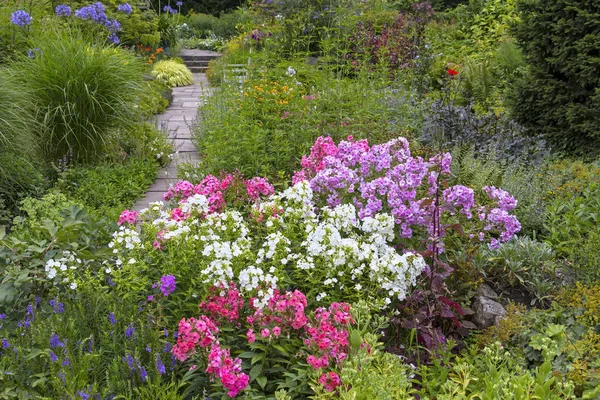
<point>81,92</point>
<point>107,189</point>
<point>522,262</point>
<point>24,254</point>
<point>491,374</point>
<point>572,231</point>
<point>202,24</point>
<point>155,98</point>
<point>172,73</point>
<point>560,97</point>
<point>527,183</point>
<point>35,211</point>
<point>265,130</point>
<point>19,173</point>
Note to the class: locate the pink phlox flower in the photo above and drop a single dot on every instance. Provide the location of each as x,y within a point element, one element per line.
<point>128,216</point>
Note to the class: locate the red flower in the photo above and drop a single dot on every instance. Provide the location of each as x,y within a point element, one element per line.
<point>452,72</point>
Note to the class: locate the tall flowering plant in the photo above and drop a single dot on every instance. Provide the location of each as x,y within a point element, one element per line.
<point>283,329</point>
<point>426,210</point>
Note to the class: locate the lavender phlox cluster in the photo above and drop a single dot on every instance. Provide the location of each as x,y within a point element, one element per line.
<point>20,18</point>
<point>388,178</point>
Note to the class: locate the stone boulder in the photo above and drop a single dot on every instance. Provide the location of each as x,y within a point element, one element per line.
<point>487,312</point>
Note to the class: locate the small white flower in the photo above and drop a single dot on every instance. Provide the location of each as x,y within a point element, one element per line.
<point>132,261</point>
<point>73,286</point>
<point>290,71</point>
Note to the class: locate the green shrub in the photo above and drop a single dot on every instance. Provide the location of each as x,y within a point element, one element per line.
<point>155,98</point>
<point>172,73</point>
<point>520,263</point>
<point>35,211</point>
<point>573,231</point>
<point>81,92</point>
<point>107,189</point>
<point>202,24</point>
<point>561,96</point>
<point>19,174</point>
<point>266,130</point>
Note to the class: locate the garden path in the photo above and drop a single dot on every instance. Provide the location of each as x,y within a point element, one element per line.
<point>177,120</point>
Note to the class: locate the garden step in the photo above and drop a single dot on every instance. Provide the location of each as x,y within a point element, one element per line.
<point>199,58</point>
<point>197,69</point>
<point>195,62</point>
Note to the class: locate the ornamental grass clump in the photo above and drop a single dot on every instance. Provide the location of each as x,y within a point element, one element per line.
<point>83,94</point>
<point>172,73</point>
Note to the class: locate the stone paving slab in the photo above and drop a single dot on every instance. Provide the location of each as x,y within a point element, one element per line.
<point>177,121</point>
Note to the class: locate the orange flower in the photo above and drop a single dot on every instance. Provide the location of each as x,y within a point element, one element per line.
<point>159,50</point>
<point>150,61</point>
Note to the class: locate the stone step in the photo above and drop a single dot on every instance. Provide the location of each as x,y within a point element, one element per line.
<point>197,69</point>
<point>198,58</point>
<point>196,63</point>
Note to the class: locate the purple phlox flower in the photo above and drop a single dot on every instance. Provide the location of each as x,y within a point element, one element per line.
<point>5,344</point>
<point>179,3</point>
<point>167,284</point>
<point>53,356</point>
<point>166,332</point>
<point>111,318</point>
<point>61,375</point>
<point>63,10</point>
<point>55,341</point>
<point>66,362</point>
<point>505,200</point>
<point>160,367</point>
<point>83,395</point>
<point>129,331</point>
<point>125,8</point>
<point>31,53</point>
<point>3,316</point>
<point>148,349</point>
<point>20,18</point>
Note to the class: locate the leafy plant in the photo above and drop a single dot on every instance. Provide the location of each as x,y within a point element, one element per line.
<point>172,73</point>
<point>81,92</point>
<point>560,96</point>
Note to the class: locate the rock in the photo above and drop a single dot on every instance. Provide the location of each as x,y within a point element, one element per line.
<point>487,312</point>
<point>486,291</point>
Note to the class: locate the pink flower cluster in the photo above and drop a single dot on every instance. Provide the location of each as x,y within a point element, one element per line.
<point>202,332</point>
<point>388,178</point>
<point>283,310</point>
<point>194,332</point>
<point>328,337</point>
<point>217,191</point>
<point>257,187</point>
<point>224,307</point>
<point>228,370</point>
<point>330,381</point>
<point>128,217</point>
